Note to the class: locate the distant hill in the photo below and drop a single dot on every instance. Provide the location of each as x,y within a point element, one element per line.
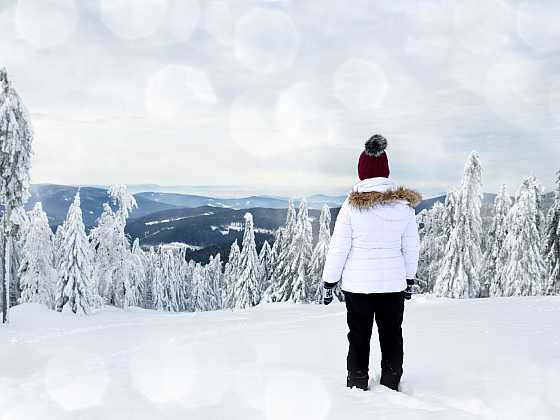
<point>189,200</point>
<point>56,200</point>
<point>208,230</point>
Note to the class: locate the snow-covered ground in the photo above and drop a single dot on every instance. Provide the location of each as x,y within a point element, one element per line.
<point>487,358</point>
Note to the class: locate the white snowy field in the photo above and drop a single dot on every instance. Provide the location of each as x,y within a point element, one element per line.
<point>464,359</point>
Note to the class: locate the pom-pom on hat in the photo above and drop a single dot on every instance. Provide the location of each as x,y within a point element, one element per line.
<point>373,161</point>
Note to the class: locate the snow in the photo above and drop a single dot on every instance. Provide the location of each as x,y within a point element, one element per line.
<point>493,358</point>
<point>157,222</point>
<point>238,227</point>
<point>181,245</point>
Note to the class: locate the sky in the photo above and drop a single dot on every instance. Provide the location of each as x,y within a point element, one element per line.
<point>280,96</point>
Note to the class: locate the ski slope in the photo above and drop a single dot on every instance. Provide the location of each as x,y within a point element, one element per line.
<point>464,359</point>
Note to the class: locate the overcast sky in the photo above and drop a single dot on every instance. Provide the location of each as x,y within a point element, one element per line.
<point>280,96</point>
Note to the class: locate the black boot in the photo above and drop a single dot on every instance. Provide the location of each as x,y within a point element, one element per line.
<point>390,378</point>
<point>358,379</point>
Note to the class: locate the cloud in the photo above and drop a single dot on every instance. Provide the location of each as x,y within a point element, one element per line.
<point>284,93</point>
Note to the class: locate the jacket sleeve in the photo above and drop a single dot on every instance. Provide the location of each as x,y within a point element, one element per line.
<point>339,247</point>
<point>410,246</point>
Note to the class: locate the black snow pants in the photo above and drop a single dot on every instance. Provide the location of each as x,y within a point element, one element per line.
<point>388,311</point>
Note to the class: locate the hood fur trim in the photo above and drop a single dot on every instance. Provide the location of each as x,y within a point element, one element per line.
<point>365,200</point>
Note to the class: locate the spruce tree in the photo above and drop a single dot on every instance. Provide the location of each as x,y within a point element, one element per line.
<point>166,292</point>
<point>552,244</point>
<point>150,264</point>
<point>215,282</point>
<point>319,255</point>
<point>458,276</point>
<point>119,273</point>
<point>231,273</point>
<point>103,240</point>
<point>265,258</point>
<point>293,269</point>
<point>20,226</point>
<point>136,286</point>
<point>37,272</point>
<point>15,162</point>
<point>523,269</point>
<point>247,291</point>
<point>497,235</point>
<point>200,289</point>
<point>280,251</point>
<point>432,247</point>
<point>75,290</point>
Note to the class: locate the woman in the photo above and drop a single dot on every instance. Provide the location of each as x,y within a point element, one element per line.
<point>374,250</point>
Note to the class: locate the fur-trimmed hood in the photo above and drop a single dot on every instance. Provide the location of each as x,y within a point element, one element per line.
<point>373,191</point>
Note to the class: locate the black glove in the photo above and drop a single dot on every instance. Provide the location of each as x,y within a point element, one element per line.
<point>408,290</point>
<point>328,292</point>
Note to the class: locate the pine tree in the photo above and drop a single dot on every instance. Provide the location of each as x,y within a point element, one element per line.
<point>20,226</point>
<point>521,266</point>
<point>186,284</point>
<point>458,276</point>
<point>265,258</point>
<point>119,273</point>
<point>37,272</point>
<point>231,273</point>
<point>150,264</point>
<point>552,245</point>
<point>320,254</point>
<point>247,291</point>
<point>215,282</point>
<point>75,290</point>
<point>280,250</point>
<point>103,239</point>
<point>200,289</point>
<point>135,289</point>
<point>434,235</point>
<point>497,235</point>
<point>292,273</point>
<point>15,161</point>
<point>166,291</point>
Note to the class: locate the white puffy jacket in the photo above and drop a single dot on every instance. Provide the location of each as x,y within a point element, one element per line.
<point>375,243</point>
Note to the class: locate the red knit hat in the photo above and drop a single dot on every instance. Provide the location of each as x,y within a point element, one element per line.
<point>373,160</point>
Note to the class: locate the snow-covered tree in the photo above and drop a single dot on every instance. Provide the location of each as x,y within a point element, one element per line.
<point>432,247</point>
<point>320,254</point>
<point>284,238</point>
<point>75,291</point>
<point>120,274</point>
<point>231,273</point>
<point>37,272</point>
<point>458,277</point>
<point>265,258</point>
<point>552,245</point>
<point>201,295</point>
<point>150,264</point>
<point>292,272</point>
<point>15,161</point>
<point>496,237</point>
<point>246,290</point>
<point>135,289</point>
<point>521,266</point>
<point>124,201</point>
<point>20,226</point>
<point>166,293</point>
<point>215,282</point>
<point>104,241</point>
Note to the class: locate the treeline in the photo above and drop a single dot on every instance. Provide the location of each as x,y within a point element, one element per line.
<point>517,254</point>
<point>72,271</point>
